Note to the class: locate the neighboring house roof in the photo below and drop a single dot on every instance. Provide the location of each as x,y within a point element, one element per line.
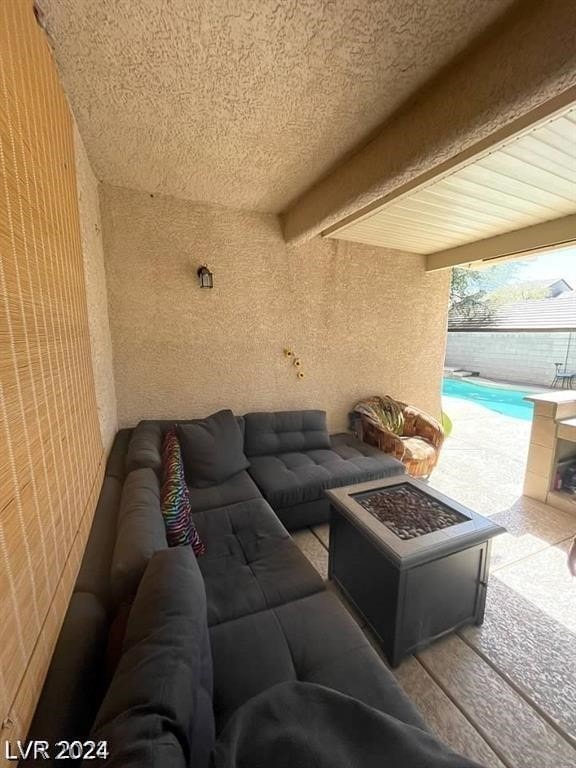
<point>558,313</point>
<point>560,286</point>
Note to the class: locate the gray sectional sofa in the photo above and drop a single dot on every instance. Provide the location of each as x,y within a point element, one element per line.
<point>293,460</point>
<point>208,637</point>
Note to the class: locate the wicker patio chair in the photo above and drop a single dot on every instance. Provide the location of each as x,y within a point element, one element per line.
<point>407,433</point>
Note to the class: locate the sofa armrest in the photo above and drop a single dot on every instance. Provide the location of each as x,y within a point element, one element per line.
<point>420,424</point>
<point>382,438</point>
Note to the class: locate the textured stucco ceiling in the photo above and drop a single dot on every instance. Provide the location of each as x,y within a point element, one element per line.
<point>245,103</point>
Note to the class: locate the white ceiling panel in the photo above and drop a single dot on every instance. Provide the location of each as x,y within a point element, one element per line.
<point>525,181</point>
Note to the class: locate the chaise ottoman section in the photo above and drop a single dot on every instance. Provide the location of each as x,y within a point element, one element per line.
<point>294,482</point>
<point>312,640</point>
<point>251,563</point>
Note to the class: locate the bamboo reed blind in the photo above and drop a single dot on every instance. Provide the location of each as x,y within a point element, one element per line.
<point>51,452</point>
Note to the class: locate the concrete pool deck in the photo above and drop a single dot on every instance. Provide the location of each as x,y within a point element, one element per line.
<point>502,693</point>
<point>482,462</point>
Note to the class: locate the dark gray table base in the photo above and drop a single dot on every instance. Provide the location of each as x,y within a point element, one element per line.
<point>407,608</point>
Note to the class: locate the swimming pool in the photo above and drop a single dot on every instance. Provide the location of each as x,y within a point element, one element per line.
<point>502,400</point>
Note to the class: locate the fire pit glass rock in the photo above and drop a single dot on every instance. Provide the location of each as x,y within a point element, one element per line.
<point>407,511</point>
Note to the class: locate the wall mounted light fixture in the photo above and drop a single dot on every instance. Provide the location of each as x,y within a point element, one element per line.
<point>205,277</point>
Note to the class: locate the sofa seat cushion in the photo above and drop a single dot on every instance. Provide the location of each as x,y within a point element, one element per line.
<point>251,563</point>
<point>312,640</point>
<point>158,709</point>
<point>241,487</point>
<point>299,477</point>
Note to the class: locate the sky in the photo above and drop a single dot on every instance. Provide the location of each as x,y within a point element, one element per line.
<point>557,264</point>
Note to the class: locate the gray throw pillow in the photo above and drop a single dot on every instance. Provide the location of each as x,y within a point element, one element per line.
<point>212,449</point>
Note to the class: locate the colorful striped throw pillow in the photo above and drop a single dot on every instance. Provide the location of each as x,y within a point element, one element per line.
<point>175,501</point>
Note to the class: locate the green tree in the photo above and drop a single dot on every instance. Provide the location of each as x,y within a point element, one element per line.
<point>466,284</point>
<point>480,282</point>
<point>469,289</point>
<point>511,293</point>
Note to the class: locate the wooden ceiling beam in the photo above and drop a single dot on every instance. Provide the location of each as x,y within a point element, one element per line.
<point>547,235</point>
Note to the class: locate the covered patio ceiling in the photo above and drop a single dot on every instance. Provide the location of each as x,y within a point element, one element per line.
<point>522,182</point>
<point>240,103</point>
<point>444,129</point>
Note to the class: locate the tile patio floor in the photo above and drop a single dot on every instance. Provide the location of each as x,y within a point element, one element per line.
<point>504,693</point>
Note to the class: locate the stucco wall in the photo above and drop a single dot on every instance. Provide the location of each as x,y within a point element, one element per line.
<point>362,319</point>
<point>96,294</point>
<point>518,357</point>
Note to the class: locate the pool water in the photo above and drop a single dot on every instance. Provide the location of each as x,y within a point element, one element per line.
<point>510,402</point>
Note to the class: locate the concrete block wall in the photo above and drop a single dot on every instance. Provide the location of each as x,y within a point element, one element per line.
<point>525,357</point>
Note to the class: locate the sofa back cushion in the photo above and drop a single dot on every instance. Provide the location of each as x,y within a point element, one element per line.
<point>212,449</point>
<point>94,574</point>
<point>158,708</point>
<point>140,533</point>
<point>285,431</point>
<point>116,463</point>
<point>145,447</point>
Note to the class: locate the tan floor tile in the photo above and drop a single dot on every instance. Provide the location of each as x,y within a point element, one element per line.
<point>442,716</point>
<point>530,528</point>
<point>544,581</point>
<point>323,533</point>
<point>313,549</point>
<point>506,721</point>
<point>533,651</point>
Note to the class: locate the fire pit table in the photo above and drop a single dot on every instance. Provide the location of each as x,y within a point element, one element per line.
<point>412,561</point>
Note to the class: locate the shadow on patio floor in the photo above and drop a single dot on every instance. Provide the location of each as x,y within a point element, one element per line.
<point>502,693</point>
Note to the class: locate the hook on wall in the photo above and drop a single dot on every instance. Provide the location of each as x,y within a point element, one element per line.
<point>296,362</point>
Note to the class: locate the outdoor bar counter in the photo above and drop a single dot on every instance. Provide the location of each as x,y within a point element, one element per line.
<point>552,449</point>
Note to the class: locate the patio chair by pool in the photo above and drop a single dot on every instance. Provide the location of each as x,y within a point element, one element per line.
<point>562,379</point>
<point>407,433</point>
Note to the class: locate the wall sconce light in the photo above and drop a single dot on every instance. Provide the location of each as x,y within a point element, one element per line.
<point>205,277</point>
